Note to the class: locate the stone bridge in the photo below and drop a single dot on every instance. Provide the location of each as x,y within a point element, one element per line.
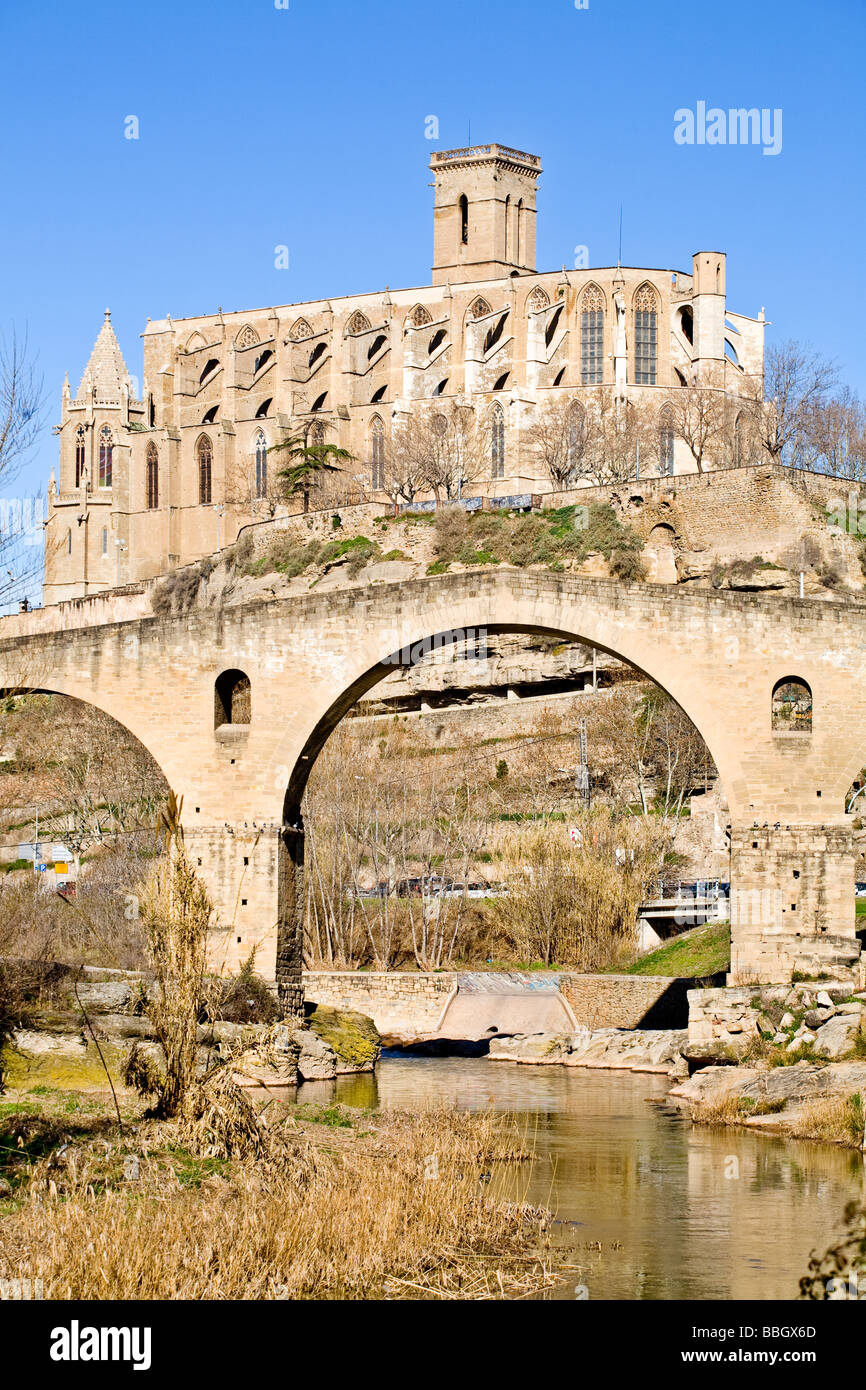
<point>309,658</point>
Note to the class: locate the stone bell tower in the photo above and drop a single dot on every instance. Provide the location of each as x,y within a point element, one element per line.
<point>484,213</point>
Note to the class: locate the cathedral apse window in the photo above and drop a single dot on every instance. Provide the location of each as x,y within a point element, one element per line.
<point>377,452</point>
<point>666,441</point>
<point>261,456</point>
<point>358,323</point>
<point>480,308</point>
<point>592,337</point>
<point>792,706</point>
<point>645,337</point>
<point>204,454</point>
<point>537,301</point>
<point>497,442</point>
<point>106,456</point>
<point>152,477</point>
<point>464,219</point>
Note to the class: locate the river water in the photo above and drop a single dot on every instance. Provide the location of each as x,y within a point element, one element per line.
<point>681,1211</point>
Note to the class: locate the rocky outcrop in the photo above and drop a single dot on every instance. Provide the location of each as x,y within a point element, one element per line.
<point>806,1081</point>
<point>609,1049</point>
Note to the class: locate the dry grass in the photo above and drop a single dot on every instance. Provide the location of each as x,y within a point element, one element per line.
<point>835,1119</point>
<point>411,1208</point>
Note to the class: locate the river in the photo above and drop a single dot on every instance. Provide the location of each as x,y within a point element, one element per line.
<point>680,1211</point>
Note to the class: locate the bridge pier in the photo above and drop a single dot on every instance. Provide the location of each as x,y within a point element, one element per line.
<point>792,902</point>
<point>254,873</point>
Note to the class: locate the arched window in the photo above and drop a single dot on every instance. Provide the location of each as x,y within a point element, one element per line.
<point>260,447</point>
<point>152,476</point>
<point>537,300</point>
<point>464,219</point>
<point>377,452</point>
<point>666,441</point>
<point>436,341</point>
<point>479,308</point>
<point>210,415</point>
<point>792,706</point>
<point>69,541</point>
<point>739,441</point>
<point>592,337</point>
<point>576,438</point>
<point>518,240</point>
<point>497,442</point>
<point>645,336</point>
<point>247,336</point>
<point>232,699</point>
<point>358,323</point>
<point>80,454</point>
<point>507,216</point>
<point>204,454</point>
<point>419,316</point>
<point>106,456</point>
<point>300,329</point>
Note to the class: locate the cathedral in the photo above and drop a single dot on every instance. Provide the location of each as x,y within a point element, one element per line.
<point>152,479</point>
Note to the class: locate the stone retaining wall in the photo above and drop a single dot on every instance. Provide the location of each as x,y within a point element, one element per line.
<point>627,1001</point>
<point>407,1004</point>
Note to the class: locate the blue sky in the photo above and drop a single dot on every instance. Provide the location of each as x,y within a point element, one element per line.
<point>305,127</point>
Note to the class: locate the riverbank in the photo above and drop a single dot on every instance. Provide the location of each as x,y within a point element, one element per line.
<point>336,1203</point>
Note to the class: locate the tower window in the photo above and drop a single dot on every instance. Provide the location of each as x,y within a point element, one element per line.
<point>152,477</point>
<point>497,442</point>
<point>204,453</point>
<point>261,465</point>
<point>105,540</point>
<point>464,219</point>
<point>106,456</point>
<point>79,455</point>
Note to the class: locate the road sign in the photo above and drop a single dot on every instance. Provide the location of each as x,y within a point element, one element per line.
<point>41,868</point>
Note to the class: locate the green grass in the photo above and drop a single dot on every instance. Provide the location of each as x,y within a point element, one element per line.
<point>697,954</point>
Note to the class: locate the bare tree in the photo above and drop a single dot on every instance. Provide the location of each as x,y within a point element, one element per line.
<point>618,434</point>
<point>835,436</point>
<point>701,416</point>
<point>795,384</point>
<point>445,447</point>
<point>21,403</point>
<point>561,437</point>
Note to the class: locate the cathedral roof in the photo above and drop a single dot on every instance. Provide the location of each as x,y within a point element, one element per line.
<point>106,370</point>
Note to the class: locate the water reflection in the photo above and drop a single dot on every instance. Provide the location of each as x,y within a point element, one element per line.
<point>697,1213</point>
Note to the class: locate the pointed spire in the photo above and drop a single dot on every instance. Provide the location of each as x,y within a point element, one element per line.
<point>106,371</point>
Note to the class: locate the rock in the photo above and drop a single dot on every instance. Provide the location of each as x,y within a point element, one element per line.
<point>853,1009</point>
<point>537,1048</point>
<point>823,1000</point>
<point>317,1060</point>
<point>273,1061</point>
<point>787,1021</point>
<point>836,1038</point>
<point>353,1037</point>
<point>814,1018</point>
<point>765,1025</point>
<point>805,1081</point>
<point>780,1038</point>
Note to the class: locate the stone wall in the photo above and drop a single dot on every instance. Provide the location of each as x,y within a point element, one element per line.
<point>626,1001</point>
<point>405,1004</point>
